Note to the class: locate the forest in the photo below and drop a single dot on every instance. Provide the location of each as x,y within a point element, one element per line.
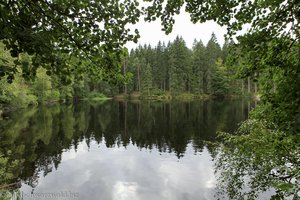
<point>162,72</point>
<point>174,70</point>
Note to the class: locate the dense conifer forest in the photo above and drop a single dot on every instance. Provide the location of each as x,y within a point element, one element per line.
<point>164,71</point>
<point>174,69</point>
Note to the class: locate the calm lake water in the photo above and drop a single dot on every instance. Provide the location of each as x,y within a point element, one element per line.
<point>118,150</point>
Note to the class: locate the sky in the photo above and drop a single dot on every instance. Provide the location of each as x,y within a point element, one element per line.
<point>151,32</point>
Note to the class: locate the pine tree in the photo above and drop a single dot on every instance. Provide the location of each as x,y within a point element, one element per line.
<point>146,79</point>
<point>198,63</point>
<point>158,67</point>
<point>179,67</point>
<point>220,81</point>
<point>213,52</point>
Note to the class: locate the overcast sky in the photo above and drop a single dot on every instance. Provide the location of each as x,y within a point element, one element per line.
<point>151,32</point>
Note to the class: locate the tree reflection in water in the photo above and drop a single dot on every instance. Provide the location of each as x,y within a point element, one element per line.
<point>33,140</point>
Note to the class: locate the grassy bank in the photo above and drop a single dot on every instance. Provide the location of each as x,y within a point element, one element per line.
<point>167,96</point>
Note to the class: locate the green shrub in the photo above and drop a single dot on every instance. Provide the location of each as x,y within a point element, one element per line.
<point>16,94</point>
<point>96,96</point>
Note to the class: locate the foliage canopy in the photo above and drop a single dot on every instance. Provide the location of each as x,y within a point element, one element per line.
<point>53,31</point>
<point>277,17</point>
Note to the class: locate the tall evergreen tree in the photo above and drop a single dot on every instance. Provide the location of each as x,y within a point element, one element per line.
<point>198,63</point>
<point>220,80</point>
<point>213,52</point>
<point>146,80</point>
<point>158,67</point>
<point>179,65</point>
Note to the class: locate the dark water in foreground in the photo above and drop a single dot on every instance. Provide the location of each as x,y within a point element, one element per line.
<point>117,150</point>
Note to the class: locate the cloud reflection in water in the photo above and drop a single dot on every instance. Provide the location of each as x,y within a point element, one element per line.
<point>131,173</point>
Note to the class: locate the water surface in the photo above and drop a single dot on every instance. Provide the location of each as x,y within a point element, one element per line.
<point>118,150</point>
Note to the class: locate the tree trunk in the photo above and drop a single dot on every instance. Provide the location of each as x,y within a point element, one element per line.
<point>249,108</point>
<point>139,78</point>
<point>255,84</point>
<point>124,73</point>
<point>199,85</point>
<point>204,85</point>
<point>243,87</point>
<point>249,85</point>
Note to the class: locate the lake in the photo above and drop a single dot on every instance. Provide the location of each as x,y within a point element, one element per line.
<point>117,150</point>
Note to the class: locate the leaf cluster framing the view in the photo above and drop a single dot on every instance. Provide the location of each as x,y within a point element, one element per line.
<point>53,31</point>
<point>257,160</point>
